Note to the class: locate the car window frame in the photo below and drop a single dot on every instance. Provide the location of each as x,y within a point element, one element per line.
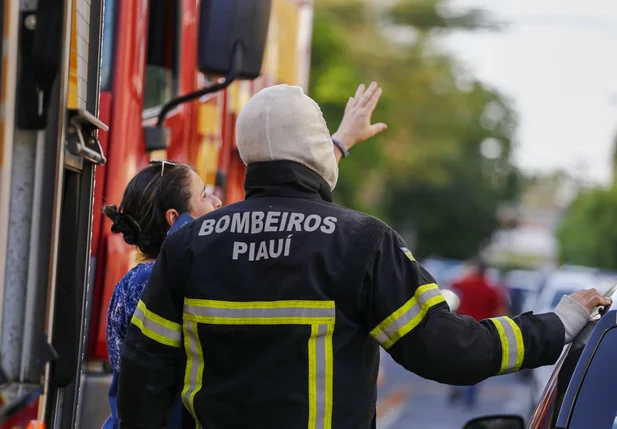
<point>607,322</point>
<point>560,292</point>
<point>591,379</point>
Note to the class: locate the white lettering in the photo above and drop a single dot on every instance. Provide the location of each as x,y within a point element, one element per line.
<point>222,224</point>
<point>207,226</point>
<point>283,221</point>
<point>262,253</point>
<point>240,222</point>
<point>239,248</point>
<point>276,253</point>
<point>270,219</point>
<point>257,224</point>
<point>287,244</point>
<point>307,223</point>
<point>295,222</point>
<point>329,225</point>
<point>267,249</point>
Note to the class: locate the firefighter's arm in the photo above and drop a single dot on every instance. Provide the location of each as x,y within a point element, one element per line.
<point>409,317</point>
<point>153,359</point>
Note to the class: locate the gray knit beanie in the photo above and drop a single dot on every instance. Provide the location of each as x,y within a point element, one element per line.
<point>281,123</point>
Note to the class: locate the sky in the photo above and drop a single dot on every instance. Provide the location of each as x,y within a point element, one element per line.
<point>557,61</point>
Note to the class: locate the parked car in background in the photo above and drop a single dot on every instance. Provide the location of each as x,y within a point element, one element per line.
<point>444,271</point>
<point>605,280</point>
<point>523,287</point>
<point>580,392</point>
<point>562,282</point>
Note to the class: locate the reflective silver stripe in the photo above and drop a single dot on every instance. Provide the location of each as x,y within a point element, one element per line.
<point>256,313</point>
<point>320,388</point>
<point>194,361</point>
<point>512,355</point>
<point>172,336</point>
<point>390,330</point>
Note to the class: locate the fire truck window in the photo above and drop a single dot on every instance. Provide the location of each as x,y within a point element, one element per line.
<point>161,82</point>
<point>109,31</point>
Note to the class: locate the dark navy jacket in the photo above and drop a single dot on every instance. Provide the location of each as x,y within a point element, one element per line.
<point>269,313</point>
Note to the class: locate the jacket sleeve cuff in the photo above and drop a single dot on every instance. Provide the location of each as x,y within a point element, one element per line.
<point>547,341</point>
<point>573,316</point>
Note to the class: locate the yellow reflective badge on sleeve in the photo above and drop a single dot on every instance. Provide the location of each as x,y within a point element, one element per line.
<point>408,316</point>
<point>512,344</point>
<point>156,327</point>
<point>408,253</point>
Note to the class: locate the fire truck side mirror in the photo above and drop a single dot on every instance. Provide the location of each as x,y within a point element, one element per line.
<point>232,42</point>
<point>232,37</point>
<point>156,138</point>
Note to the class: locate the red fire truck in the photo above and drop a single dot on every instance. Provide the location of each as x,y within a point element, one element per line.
<point>92,90</point>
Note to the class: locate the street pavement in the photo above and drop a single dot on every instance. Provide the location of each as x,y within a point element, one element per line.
<point>407,401</point>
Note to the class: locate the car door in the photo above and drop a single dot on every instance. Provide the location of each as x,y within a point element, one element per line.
<point>588,402</point>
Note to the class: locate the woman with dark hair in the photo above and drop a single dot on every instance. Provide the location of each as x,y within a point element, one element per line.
<point>152,202</point>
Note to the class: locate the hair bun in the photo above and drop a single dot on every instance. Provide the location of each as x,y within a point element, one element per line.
<point>123,224</point>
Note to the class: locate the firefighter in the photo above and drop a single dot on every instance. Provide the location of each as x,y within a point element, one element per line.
<point>269,313</point>
<point>159,199</point>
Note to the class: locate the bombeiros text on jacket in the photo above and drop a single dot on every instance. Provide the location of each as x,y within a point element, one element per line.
<point>257,222</point>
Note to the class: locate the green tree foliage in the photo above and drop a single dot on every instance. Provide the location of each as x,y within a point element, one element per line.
<point>587,234</point>
<point>425,175</point>
<point>425,15</point>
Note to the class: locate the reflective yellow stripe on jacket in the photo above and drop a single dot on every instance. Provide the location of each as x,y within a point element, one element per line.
<point>512,345</point>
<point>156,327</point>
<point>408,316</point>
<point>319,315</point>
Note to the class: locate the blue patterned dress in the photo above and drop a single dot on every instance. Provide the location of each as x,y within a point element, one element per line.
<point>121,308</point>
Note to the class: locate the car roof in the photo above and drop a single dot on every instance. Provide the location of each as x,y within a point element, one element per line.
<point>559,279</point>
<point>524,279</point>
<point>563,282</point>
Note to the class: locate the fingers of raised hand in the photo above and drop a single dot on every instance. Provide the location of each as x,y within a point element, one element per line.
<point>368,95</point>
<point>372,103</point>
<point>359,93</point>
<point>350,104</point>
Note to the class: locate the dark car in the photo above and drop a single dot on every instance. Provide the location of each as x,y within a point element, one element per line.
<point>581,392</point>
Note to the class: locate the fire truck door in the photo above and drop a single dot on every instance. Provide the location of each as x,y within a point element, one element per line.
<point>54,153</point>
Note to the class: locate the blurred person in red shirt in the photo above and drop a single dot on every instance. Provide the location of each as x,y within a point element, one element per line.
<point>479,300</point>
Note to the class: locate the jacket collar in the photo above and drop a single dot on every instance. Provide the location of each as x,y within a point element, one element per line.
<point>285,179</point>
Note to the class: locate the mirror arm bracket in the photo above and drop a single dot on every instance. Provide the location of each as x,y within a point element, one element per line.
<point>236,66</point>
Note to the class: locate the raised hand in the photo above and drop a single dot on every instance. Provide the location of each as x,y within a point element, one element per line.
<point>356,124</point>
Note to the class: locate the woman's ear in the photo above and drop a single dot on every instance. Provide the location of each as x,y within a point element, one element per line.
<point>170,216</point>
